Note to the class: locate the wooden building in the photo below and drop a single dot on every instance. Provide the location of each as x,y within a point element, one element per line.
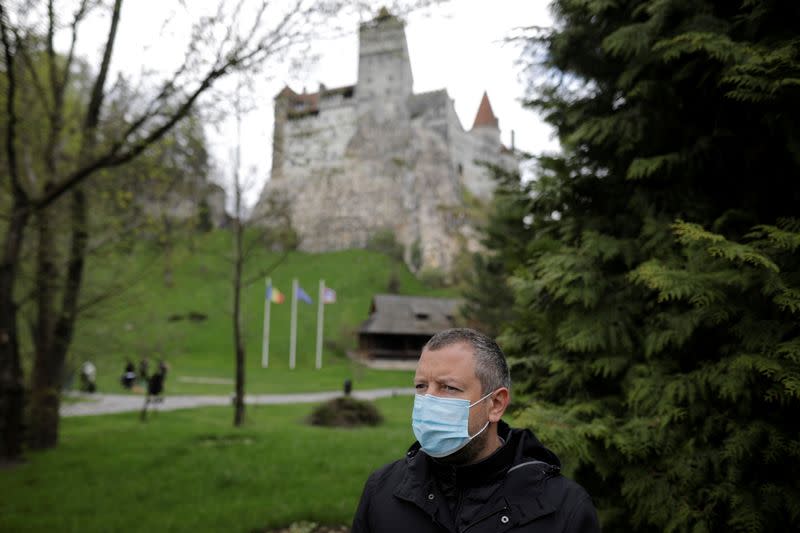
<point>399,326</point>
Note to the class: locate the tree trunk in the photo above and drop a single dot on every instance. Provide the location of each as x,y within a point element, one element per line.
<point>45,383</point>
<point>53,331</point>
<point>11,380</point>
<point>238,343</point>
<point>54,336</point>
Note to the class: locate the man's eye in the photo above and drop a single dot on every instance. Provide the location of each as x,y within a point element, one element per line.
<point>420,385</point>
<point>450,388</point>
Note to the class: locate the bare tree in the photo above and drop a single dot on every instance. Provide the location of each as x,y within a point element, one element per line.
<point>247,238</point>
<point>37,191</point>
<point>238,268</point>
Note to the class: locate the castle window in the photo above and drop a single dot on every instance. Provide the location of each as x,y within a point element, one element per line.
<point>460,169</point>
<point>391,78</point>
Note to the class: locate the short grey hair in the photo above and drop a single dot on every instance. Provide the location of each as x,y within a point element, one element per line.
<point>490,362</point>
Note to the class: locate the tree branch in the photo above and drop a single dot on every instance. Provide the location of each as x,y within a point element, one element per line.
<point>11,124</point>
<point>279,39</point>
<point>35,79</point>
<point>98,94</point>
<point>79,14</point>
<point>268,270</point>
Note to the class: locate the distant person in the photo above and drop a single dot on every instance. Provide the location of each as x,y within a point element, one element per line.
<point>129,375</point>
<point>88,375</point>
<point>468,470</point>
<point>155,388</point>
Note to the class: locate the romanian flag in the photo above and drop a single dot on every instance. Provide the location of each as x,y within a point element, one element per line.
<point>274,295</point>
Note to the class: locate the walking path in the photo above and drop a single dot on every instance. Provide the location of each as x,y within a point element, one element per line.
<point>103,404</point>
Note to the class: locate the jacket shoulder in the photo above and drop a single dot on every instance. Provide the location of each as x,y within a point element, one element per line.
<point>573,504</point>
<point>375,490</point>
<point>540,486</point>
<point>387,473</point>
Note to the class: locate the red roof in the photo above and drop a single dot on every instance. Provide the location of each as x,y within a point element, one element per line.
<point>485,116</point>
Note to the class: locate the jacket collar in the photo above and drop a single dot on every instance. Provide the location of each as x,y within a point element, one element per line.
<point>513,464</point>
<point>483,472</point>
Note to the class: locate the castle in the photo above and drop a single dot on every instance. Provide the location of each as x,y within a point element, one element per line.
<point>351,162</point>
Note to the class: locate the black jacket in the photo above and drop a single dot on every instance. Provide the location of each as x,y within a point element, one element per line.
<point>518,488</point>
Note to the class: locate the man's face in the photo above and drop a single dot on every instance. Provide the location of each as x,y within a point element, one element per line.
<point>450,373</point>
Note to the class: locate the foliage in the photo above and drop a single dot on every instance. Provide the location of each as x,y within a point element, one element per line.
<point>385,242</point>
<point>393,285</point>
<point>655,263</point>
<point>487,295</point>
<point>274,217</point>
<point>345,411</point>
<point>416,255</point>
<point>204,222</point>
<point>432,278</point>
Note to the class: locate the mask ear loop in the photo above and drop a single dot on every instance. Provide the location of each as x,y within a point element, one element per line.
<point>479,401</point>
<point>487,421</point>
<point>480,431</point>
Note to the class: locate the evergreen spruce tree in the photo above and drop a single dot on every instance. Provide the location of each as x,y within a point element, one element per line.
<point>488,297</point>
<point>657,315</point>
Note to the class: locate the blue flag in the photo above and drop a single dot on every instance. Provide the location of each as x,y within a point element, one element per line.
<point>303,296</point>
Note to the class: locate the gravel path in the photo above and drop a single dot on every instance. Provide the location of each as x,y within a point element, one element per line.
<point>103,404</point>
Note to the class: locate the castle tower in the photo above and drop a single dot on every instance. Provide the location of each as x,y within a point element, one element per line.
<point>486,125</point>
<point>281,106</point>
<point>384,68</point>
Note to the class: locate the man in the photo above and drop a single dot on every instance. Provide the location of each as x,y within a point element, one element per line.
<point>88,375</point>
<point>468,471</point>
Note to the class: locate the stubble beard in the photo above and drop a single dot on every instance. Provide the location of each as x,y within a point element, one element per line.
<point>469,453</point>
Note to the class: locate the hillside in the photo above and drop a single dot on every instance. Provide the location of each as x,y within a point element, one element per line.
<point>153,318</point>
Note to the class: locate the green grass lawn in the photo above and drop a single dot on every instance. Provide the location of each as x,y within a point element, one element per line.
<point>137,322</point>
<point>191,471</point>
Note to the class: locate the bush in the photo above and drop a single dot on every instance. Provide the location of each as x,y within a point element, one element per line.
<point>346,412</point>
<point>385,242</point>
<point>433,278</point>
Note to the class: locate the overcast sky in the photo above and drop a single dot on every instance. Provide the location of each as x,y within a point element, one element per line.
<point>458,46</point>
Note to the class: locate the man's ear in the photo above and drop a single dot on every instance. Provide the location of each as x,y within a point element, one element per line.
<point>499,402</point>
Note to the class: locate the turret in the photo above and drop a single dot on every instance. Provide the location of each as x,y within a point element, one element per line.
<point>384,68</point>
<point>282,103</point>
<point>486,124</point>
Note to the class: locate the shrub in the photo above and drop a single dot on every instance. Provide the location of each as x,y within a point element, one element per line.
<point>346,412</point>
<point>433,278</point>
<point>385,242</point>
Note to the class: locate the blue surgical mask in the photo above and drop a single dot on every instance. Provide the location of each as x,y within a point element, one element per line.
<point>441,425</point>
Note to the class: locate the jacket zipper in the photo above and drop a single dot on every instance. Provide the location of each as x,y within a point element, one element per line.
<point>484,517</point>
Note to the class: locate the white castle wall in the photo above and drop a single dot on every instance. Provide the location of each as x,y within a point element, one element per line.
<point>317,142</point>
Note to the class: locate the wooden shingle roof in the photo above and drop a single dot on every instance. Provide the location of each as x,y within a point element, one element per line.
<point>410,315</point>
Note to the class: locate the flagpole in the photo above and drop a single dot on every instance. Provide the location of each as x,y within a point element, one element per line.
<point>293,334</point>
<point>319,322</point>
<point>265,338</point>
